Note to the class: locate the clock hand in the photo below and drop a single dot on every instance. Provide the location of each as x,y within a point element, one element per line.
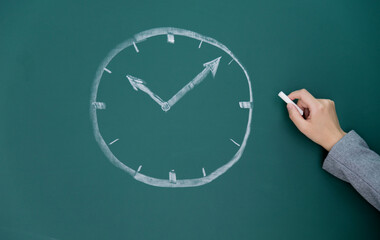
<point>139,84</point>
<point>211,66</point>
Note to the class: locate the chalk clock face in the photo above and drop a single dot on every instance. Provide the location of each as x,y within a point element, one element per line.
<point>172,108</point>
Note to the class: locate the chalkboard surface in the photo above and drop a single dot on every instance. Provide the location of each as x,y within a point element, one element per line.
<point>184,136</point>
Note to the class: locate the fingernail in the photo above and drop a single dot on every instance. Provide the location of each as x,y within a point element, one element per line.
<point>289,106</point>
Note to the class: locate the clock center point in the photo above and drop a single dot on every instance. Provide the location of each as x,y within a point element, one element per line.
<point>165,107</point>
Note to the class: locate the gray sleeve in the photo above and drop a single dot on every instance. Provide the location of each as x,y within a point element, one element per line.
<point>352,161</point>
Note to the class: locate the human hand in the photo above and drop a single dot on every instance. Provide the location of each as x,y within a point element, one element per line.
<point>320,122</point>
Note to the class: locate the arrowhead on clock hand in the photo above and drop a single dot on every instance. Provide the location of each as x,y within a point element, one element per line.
<point>212,65</point>
<point>135,82</point>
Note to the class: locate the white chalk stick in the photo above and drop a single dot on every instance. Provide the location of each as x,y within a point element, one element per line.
<point>287,100</point>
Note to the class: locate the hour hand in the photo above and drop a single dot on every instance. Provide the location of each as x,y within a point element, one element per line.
<point>139,84</point>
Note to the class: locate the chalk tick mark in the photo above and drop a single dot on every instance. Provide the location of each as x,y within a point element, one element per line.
<point>134,44</point>
<point>237,144</point>
<point>204,172</point>
<point>113,141</point>
<point>246,104</point>
<point>99,105</point>
<point>171,38</point>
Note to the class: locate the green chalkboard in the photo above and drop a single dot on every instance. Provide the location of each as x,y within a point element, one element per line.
<point>160,119</point>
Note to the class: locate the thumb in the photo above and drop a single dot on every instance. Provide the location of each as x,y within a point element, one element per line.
<point>296,117</point>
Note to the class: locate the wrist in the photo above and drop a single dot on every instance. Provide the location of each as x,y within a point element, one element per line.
<point>333,139</point>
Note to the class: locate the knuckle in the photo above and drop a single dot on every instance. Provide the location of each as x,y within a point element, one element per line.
<point>320,106</point>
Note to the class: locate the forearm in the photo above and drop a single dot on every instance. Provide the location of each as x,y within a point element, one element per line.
<point>352,161</point>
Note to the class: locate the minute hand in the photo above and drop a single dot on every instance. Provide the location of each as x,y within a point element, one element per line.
<point>211,66</point>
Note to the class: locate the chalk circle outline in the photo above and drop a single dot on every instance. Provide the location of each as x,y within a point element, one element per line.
<point>193,182</point>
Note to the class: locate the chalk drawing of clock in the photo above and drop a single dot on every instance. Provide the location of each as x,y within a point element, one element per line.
<point>171,107</point>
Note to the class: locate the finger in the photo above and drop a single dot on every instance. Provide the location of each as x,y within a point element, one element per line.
<point>296,117</point>
<point>304,108</point>
<point>308,101</point>
<point>301,104</point>
<point>306,113</point>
